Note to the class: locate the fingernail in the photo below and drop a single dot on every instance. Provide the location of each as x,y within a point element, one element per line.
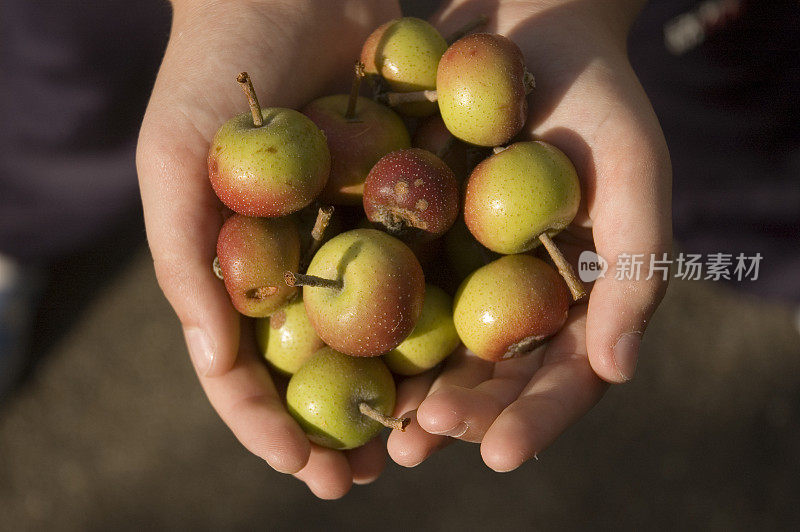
<point>201,349</point>
<point>455,432</point>
<point>626,353</point>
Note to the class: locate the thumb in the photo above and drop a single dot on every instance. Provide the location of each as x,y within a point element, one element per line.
<point>183,218</point>
<point>632,231</point>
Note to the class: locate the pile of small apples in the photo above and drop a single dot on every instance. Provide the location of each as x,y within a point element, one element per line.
<point>334,199</point>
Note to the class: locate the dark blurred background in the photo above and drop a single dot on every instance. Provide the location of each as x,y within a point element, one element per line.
<point>110,430</point>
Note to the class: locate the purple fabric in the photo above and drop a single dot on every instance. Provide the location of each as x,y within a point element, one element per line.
<point>75,81</point>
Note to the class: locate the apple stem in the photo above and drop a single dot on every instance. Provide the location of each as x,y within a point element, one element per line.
<point>396,98</point>
<point>217,269</point>
<point>324,215</point>
<point>387,421</point>
<point>474,24</point>
<point>299,279</point>
<point>247,86</point>
<point>529,81</point>
<point>564,268</point>
<point>351,103</point>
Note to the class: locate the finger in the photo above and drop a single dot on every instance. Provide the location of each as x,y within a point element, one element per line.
<point>560,392</point>
<point>246,400</point>
<point>415,445</point>
<point>183,218</point>
<point>327,473</point>
<point>412,446</point>
<point>631,219</point>
<point>463,368</point>
<point>466,413</point>
<point>412,390</point>
<point>367,462</point>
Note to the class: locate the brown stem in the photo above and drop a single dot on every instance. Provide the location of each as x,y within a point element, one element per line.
<point>255,109</point>
<point>299,279</point>
<point>217,269</point>
<point>387,421</point>
<point>351,103</point>
<point>564,268</point>
<point>529,81</point>
<point>396,98</point>
<point>472,25</point>
<point>318,232</point>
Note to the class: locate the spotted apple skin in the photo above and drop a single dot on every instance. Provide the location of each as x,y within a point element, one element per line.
<point>412,189</point>
<point>481,88</point>
<point>323,396</point>
<point>514,196</point>
<point>355,145</point>
<point>271,170</point>
<point>405,52</point>
<point>432,340</point>
<point>287,339</point>
<point>510,306</point>
<point>253,255</point>
<point>381,298</point>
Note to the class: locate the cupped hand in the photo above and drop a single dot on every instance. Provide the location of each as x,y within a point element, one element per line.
<point>294,52</point>
<point>587,102</point>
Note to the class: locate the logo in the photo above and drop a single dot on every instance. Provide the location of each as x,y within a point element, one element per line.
<point>591,266</point>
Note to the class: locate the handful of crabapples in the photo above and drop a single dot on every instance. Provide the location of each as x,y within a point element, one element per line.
<point>348,241</point>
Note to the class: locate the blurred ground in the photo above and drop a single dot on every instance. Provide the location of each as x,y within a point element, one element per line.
<point>112,431</point>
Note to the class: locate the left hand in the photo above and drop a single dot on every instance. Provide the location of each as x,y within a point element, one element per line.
<point>588,102</point>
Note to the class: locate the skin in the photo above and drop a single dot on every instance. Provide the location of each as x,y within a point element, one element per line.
<point>272,170</point>
<point>433,338</point>
<point>253,254</point>
<point>406,53</point>
<point>412,190</point>
<point>381,298</point>
<point>510,306</point>
<point>355,145</point>
<point>481,90</point>
<point>589,103</point>
<point>324,394</point>
<point>287,339</point>
<point>516,195</point>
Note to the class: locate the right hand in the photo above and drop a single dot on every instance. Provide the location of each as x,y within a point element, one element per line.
<point>294,51</point>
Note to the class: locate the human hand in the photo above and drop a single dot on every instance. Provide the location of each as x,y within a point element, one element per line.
<point>294,51</point>
<point>588,102</point>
